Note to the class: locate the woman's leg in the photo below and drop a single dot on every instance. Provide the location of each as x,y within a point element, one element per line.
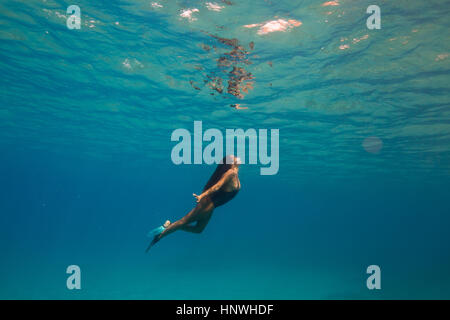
<point>199,226</point>
<point>202,211</point>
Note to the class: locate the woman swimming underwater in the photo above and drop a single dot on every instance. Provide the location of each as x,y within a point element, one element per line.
<point>223,185</point>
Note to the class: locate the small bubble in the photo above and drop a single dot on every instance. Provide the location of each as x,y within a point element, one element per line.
<point>372,144</point>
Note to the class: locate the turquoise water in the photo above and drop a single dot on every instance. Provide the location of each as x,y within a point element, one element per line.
<point>86,117</point>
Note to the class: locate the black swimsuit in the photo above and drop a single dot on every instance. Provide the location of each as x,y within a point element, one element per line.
<point>220,197</point>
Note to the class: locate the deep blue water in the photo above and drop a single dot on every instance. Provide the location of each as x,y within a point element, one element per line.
<point>85,170</point>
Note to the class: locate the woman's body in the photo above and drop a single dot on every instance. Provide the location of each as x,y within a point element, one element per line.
<point>223,185</point>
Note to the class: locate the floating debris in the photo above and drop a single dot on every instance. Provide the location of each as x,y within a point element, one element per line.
<point>206,47</point>
<point>237,75</point>
<point>193,85</point>
<point>237,106</point>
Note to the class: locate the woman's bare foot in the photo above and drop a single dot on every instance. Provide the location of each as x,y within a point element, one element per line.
<point>166,224</point>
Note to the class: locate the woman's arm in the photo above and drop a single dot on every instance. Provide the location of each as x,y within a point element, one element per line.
<point>226,177</point>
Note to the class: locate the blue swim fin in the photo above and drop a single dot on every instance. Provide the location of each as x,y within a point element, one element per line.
<point>155,232</point>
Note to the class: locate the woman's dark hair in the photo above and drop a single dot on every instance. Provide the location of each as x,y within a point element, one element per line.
<point>218,173</point>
